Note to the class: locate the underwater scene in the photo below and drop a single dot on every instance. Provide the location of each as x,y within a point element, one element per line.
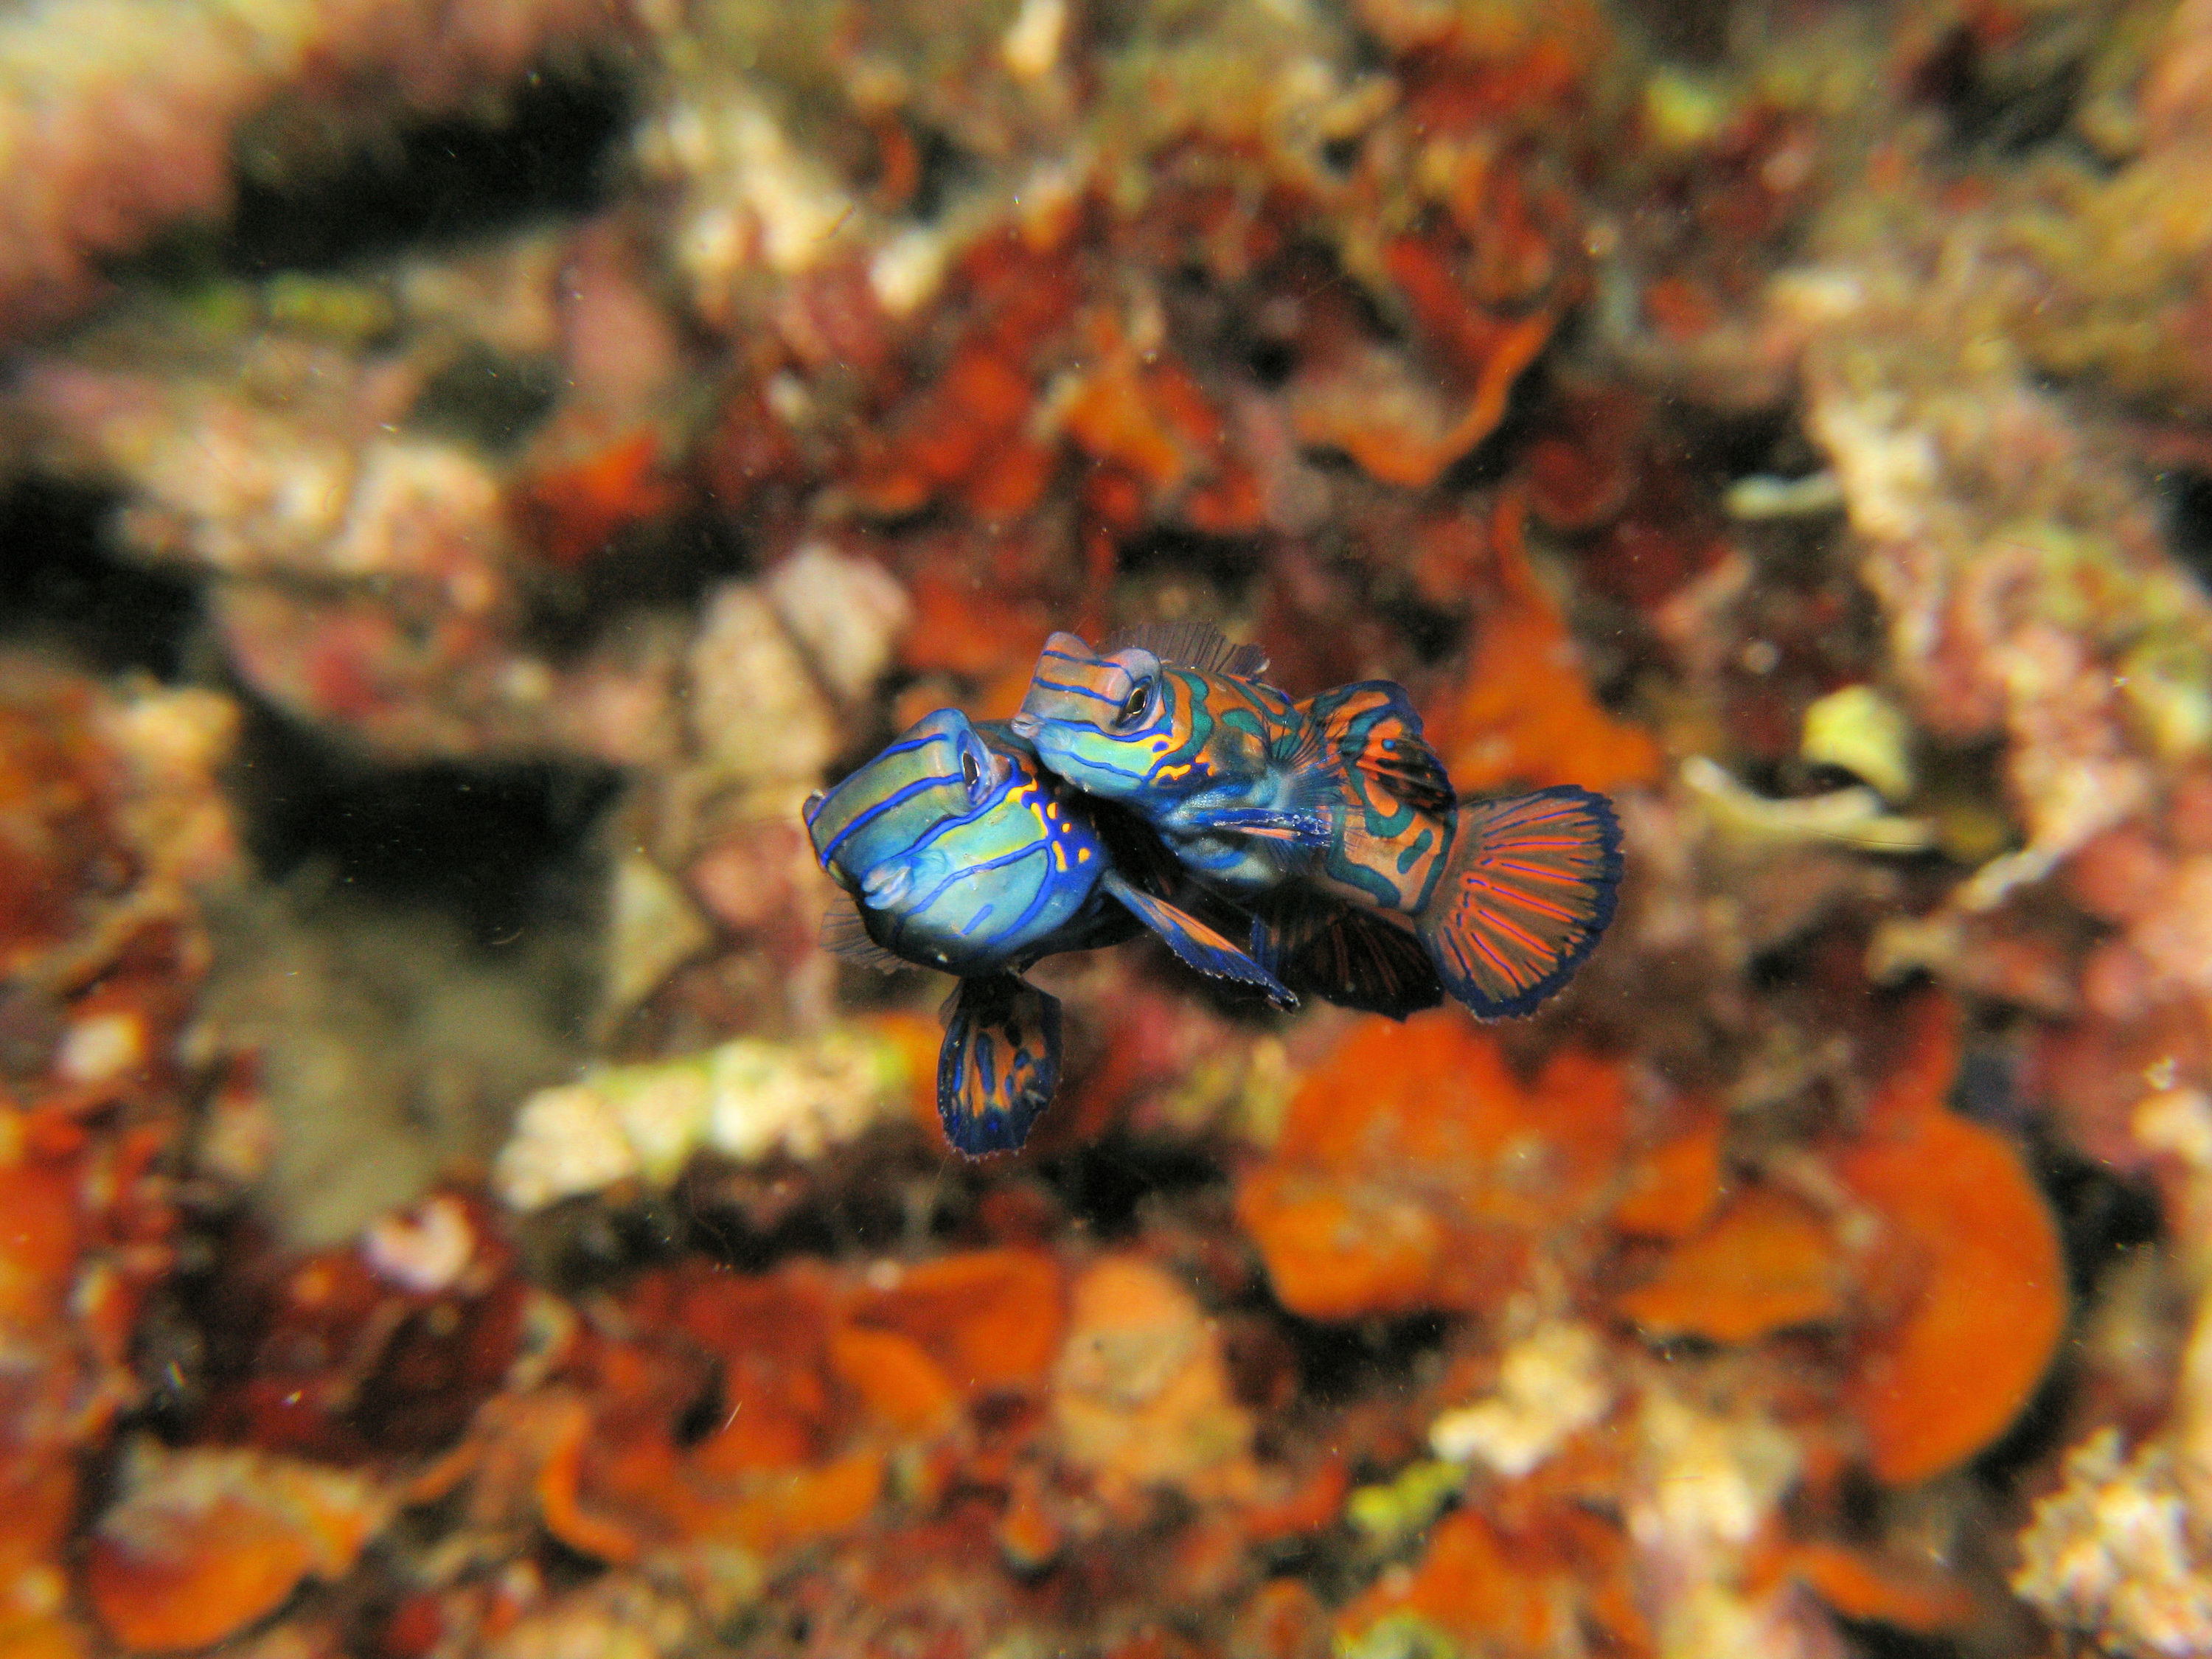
<point>1106,829</point>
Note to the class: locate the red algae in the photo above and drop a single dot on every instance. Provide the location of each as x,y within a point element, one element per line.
<point>1415,1170</point>
<point>1525,713</point>
<point>1765,1263</point>
<point>1974,1238</point>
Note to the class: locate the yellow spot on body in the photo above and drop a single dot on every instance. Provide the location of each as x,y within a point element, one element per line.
<point>1082,855</point>
<point>1059,855</point>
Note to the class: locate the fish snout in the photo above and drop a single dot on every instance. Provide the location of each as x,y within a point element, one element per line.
<point>1025,725</point>
<point>886,886</point>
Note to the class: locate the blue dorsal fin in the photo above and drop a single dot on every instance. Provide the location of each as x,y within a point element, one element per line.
<point>845,936</point>
<point>1000,1065</point>
<point>1193,645</point>
<point>1199,945</point>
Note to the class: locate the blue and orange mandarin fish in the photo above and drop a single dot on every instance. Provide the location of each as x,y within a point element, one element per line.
<point>960,852</point>
<point>1333,822</point>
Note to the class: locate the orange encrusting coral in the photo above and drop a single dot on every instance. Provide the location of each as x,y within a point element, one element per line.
<point>570,510</point>
<point>1542,1586</point>
<point>1967,1228</point>
<point>1387,434</point>
<point>990,1319</point>
<point>1862,1585</point>
<point>813,1378</point>
<point>203,1543</point>
<point>1525,714</point>
<point>1674,1188</point>
<point>1415,1170</point>
<point>1768,1262</point>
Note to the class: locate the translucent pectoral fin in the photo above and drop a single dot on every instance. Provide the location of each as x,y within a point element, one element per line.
<point>1199,945</point>
<point>1000,1065</point>
<point>845,936</point>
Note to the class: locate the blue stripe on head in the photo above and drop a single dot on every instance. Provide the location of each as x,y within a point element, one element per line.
<point>1041,683</point>
<point>930,780</point>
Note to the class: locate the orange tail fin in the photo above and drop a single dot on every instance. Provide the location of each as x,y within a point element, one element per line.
<point>1531,886</point>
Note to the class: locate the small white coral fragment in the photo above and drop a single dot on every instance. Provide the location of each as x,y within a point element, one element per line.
<point>748,1099</point>
<point>2123,1552</point>
<point>1763,497</point>
<point>424,1250</point>
<point>755,710</point>
<point>655,928</point>
<point>1550,1385</point>
<point>848,612</point>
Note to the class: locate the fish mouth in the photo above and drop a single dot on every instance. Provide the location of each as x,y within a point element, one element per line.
<point>1025,726</point>
<point>885,887</point>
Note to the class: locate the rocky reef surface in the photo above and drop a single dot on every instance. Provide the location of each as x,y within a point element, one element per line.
<point>467,472</point>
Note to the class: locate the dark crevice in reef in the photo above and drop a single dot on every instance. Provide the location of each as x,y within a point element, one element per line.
<point>63,590</point>
<point>1102,1184</point>
<point>1341,1363</point>
<point>502,848</point>
<point>2189,520</point>
<point>457,178</point>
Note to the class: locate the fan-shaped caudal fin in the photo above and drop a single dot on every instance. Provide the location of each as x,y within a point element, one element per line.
<point>1000,1065</point>
<point>1531,886</point>
<point>1200,946</point>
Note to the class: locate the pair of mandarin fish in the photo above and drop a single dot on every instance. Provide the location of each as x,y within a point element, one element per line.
<point>1162,785</point>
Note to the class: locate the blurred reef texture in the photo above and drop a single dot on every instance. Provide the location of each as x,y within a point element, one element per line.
<point>468,470</point>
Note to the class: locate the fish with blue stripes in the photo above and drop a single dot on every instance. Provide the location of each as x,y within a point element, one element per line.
<point>960,852</point>
<point>1332,821</point>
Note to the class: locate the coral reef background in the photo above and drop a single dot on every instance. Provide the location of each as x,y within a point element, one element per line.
<point>468,470</point>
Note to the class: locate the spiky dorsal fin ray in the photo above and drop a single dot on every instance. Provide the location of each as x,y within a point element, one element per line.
<point>1199,945</point>
<point>1193,645</point>
<point>1531,885</point>
<point>999,1066</point>
<point>845,936</point>
<point>1348,956</point>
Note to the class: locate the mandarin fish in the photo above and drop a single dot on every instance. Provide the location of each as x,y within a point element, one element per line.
<point>1333,822</point>
<point>961,854</point>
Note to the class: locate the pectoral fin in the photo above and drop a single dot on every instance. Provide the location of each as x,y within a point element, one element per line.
<point>844,935</point>
<point>1000,1064</point>
<point>1200,946</point>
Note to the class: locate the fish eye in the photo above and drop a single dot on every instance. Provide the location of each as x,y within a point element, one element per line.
<point>978,770</point>
<point>1134,705</point>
